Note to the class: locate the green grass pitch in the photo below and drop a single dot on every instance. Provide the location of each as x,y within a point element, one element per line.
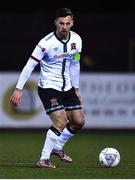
<point>19,150</point>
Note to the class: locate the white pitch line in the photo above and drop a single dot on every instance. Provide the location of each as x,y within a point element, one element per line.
<point>131,164</point>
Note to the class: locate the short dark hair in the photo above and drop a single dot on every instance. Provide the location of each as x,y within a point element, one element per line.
<point>63,12</point>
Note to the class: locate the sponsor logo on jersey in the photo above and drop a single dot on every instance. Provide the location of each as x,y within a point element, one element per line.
<point>62,55</point>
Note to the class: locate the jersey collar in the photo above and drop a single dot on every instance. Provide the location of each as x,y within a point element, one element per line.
<point>64,42</point>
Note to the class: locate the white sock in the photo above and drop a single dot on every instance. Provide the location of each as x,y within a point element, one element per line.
<point>49,143</point>
<point>62,139</point>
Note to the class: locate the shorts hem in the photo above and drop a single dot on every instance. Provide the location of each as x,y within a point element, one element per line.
<point>49,112</point>
<point>73,109</point>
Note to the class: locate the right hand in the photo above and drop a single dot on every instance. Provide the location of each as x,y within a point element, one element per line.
<point>16,97</point>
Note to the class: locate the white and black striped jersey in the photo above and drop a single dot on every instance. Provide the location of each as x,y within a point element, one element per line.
<point>56,57</point>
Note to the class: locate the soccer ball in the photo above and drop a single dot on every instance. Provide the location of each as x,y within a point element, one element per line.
<point>109,157</point>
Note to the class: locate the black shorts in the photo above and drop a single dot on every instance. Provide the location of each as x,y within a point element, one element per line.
<point>54,100</point>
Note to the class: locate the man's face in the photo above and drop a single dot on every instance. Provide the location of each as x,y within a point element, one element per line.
<point>63,26</point>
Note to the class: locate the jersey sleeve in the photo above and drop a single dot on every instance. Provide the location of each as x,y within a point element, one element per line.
<point>26,72</point>
<point>74,74</point>
<point>75,65</point>
<point>39,51</point>
<point>79,44</point>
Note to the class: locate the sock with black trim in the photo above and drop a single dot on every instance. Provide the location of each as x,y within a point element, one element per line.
<point>50,140</point>
<point>66,134</point>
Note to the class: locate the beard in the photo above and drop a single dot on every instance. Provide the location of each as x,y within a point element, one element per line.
<point>64,34</point>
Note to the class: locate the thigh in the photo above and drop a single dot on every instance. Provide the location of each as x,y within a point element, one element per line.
<point>70,100</point>
<point>75,116</point>
<point>51,99</point>
<point>59,119</point>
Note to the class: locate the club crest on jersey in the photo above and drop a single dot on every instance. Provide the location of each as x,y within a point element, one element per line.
<point>73,46</point>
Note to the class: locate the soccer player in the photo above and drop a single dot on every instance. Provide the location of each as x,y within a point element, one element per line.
<point>58,55</point>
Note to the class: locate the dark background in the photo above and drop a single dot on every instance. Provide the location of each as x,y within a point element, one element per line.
<point>107,29</point>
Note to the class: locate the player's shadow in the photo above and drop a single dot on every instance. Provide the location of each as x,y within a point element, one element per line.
<point>26,165</point>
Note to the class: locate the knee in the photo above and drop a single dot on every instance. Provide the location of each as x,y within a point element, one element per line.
<point>60,124</point>
<point>80,123</point>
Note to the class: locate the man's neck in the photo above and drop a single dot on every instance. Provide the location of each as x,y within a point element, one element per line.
<point>63,38</point>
